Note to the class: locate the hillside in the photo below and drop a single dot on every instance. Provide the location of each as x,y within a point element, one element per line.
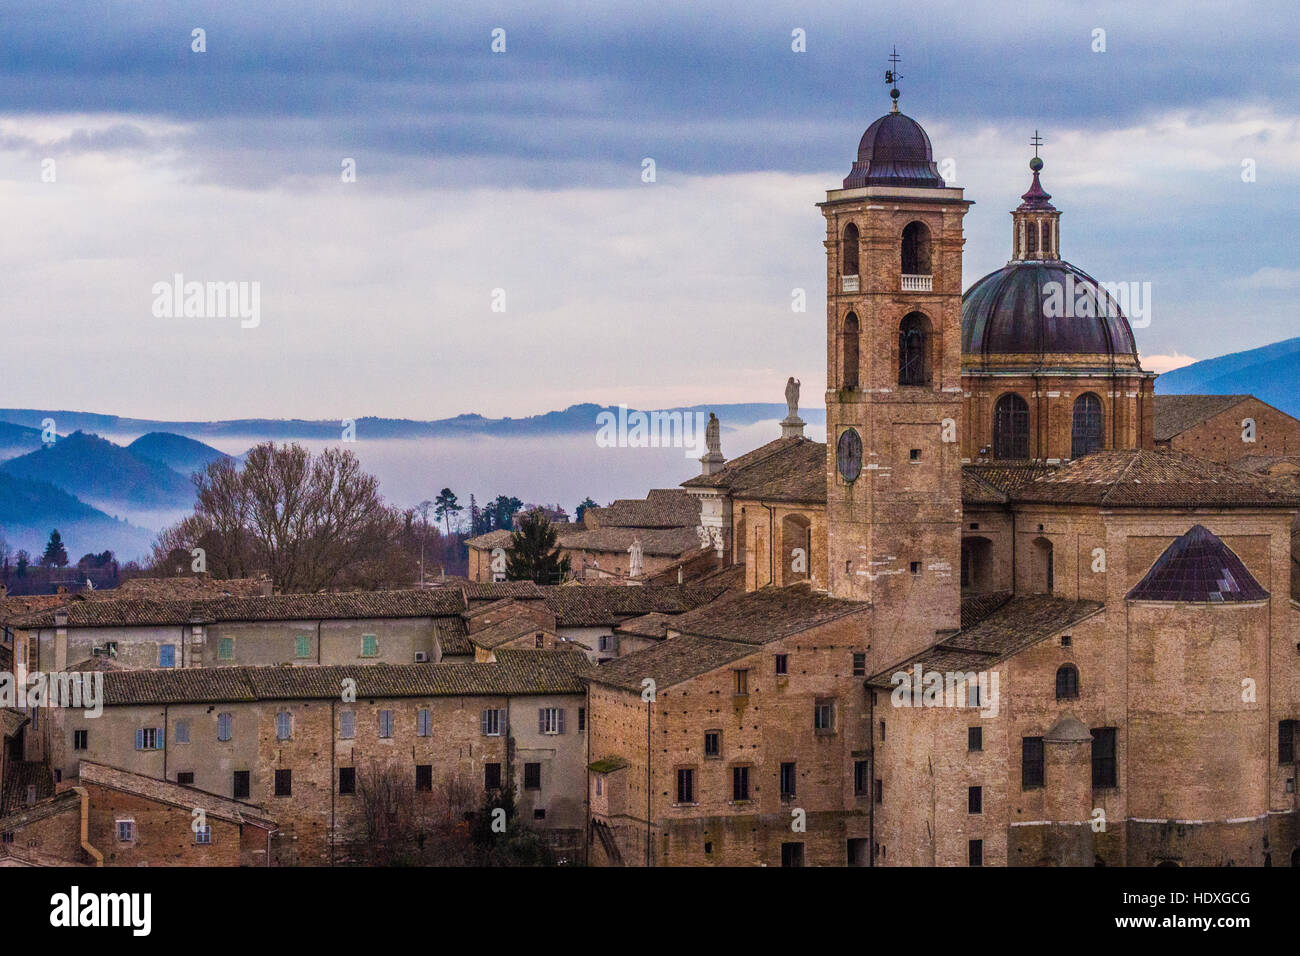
<point>18,439</point>
<point>1270,373</point>
<point>30,509</point>
<point>101,472</point>
<point>184,455</point>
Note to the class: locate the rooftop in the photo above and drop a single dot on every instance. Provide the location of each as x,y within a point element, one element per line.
<point>179,795</point>
<point>669,663</point>
<point>787,469</point>
<point>1175,414</point>
<point>768,614</point>
<point>1198,568</point>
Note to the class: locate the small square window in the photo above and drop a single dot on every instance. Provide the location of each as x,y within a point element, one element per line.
<point>859,664</point>
<point>203,835</point>
<point>712,743</point>
<point>915,454</point>
<point>185,778</point>
<point>125,831</point>
<point>914,567</point>
<point>783,663</point>
<point>1066,640</point>
<point>539,814</point>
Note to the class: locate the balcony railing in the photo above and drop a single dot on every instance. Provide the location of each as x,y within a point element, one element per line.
<point>918,283</point>
<point>848,283</point>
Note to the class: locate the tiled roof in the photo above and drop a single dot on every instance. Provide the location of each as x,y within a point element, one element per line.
<point>1140,478</point>
<point>14,608</point>
<point>179,795</point>
<point>765,615</point>
<point>788,469</point>
<point>653,625</point>
<point>1174,414</point>
<point>23,815</point>
<point>10,721</point>
<point>1016,625</point>
<point>977,607</point>
<point>453,637</point>
<point>661,508</point>
<point>278,607</point>
<point>514,672</point>
<point>669,663</point>
<point>19,775</point>
<point>1005,478</point>
<point>1198,568</point>
<point>497,590</point>
<point>503,632</point>
<point>672,542</point>
<point>500,538</point>
<point>600,605</point>
<point>174,589</point>
<point>976,490</point>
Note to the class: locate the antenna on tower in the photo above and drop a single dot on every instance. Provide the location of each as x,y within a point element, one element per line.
<point>892,76</point>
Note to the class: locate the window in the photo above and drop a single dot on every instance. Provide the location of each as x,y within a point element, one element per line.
<point>788,776</point>
<point>913,351</point>
<point>792,854</point>
<point>859,664</point>
<point>1067,682</point>
<point>125,831</point>
<point>369,645</point>
<point>914,567</point>
<point>302,646</point>
<point>976,852</point>
<point>424,722</point>
<point>880,790</point>
<point>1086,430</point>
<point>182,731</point>
<point>604,642</point>
<point>849,251</point>
<point>882,731</point>
<point>739,783</point>
<point>284,783</point>
<point>783,663</point>
<point>80,739</point>
<point>861,778</point>
<point>1103,758</point>
<point>539,814</point>
<point>226,649</point>
<point>916,249</point>
<point>148,738</point>
<point>492,722</point>
<point>914,454</point>
<point>600,784</point>
<point>539,641</point>
<point>347,781</point>
<point>347,724</point>
<point>849,353</point>
<point>974,738</point>
<point>203,835</point>
<point>857,852</point>
<point>1031,763</point>
<point>239,785</point>
<point>424,777</point>
<point>532,776</point>
<point>712,743</point>
<point>385,724</point>
<point>224,724</point>
<point>742,683</point>
<point>492,776</point>
<point>1066,640</point>
<point>1286,733</point>
<point>283,725</point>
<point>974,799</point>
<point>167,655</point>
<point>824,717</point>
<point>685,785</point>
<point>582,719</point>
<point>550,720</point>
<point>1011,427</point>
<point>185,778</point>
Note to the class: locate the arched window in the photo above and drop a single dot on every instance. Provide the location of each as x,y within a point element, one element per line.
<point>1067,682</point>
<point>1085,434</point>
<point>1031,238</point>
<point>1042,569</point>
<point>916,249</point>
<point>796,548</point>
<point>1046,244</point>
<point>1011,427</point>
<point>849,252</point>
<point>849,353</point>
<point>914,350</point>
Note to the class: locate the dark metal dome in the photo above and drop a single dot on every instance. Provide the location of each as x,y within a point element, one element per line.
<point>1014,312</point>
<point>895,151</point>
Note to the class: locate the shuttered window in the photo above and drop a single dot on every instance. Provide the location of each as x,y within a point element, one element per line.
<point>283,725</point>
<point>369,645</point>
<point>226,649</point>
<point>424,722</point>
<point>148,738</point>
<point>302,646</point>
<point>167,655</point>
<point>493,722</point>
<point>347,724</point>
<point>224,722</point>
<point>182,731</point>
<point>385,723</point>
<point>550,720</point>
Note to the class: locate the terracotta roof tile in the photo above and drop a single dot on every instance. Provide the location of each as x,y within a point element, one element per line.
<point>179,795</point>
<point>669,663</point>
<point>766,615</point>
<point>601,605</point>
<point>788,469</point>
<point>1175,414</point>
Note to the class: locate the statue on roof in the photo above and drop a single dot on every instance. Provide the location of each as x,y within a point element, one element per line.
<point>792,397</point>
<point>713,435</point>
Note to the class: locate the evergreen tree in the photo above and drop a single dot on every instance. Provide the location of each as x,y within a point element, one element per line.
<point>533,555</point>
<point>56,555</point>
<point>582,508</point>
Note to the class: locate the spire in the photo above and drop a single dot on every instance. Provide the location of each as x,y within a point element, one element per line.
<point>892,76</point>
<point>1036,220</point>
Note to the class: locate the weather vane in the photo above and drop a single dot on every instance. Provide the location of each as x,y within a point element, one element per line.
<point>892,76</point>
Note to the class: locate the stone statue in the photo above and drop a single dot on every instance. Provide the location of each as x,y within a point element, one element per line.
<point>635,564</point>
<point>792,397</point>
<point>713,435</point>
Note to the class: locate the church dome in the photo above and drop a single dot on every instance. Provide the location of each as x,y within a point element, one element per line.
<point>1044,308</point>
<point>895,151</point>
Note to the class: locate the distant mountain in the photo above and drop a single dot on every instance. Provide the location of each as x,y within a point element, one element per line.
<point>95,469</point>
<point>30,509</point>
<point>18,440</point>
<point>1270,373</point>
<point>576,419</point>
<point>184,455</point>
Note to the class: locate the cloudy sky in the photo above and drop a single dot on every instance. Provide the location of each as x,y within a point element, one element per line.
<point>521,171</point>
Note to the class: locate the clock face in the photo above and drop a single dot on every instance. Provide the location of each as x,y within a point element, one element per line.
<point>848,453</point>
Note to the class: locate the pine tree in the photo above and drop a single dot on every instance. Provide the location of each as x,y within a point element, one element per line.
<point>533,555</point>
<point>56,555</point>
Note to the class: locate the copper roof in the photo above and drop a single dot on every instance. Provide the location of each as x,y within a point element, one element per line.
<point>895,151</point>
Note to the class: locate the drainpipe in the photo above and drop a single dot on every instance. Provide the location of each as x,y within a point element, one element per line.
<point>871,777</point>
<point>85,826</point>
<point>318,626</point>
<point>334,774</point>
<point>771,543</point>
<point>648,705</point>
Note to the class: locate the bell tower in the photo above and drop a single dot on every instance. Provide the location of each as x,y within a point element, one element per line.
<point>894,394</point>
